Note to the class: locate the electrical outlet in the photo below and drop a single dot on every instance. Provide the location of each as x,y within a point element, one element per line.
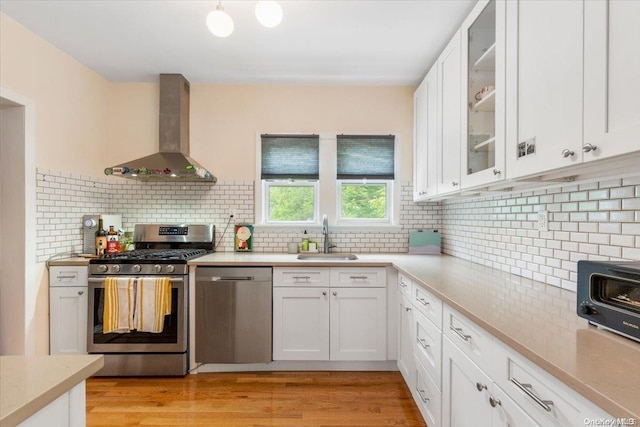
<point>543,221</point>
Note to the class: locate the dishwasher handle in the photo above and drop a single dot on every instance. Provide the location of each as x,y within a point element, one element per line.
<point>228,279</point>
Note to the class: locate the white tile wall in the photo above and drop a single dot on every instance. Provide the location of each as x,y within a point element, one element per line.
<point>68,196</point>
<point>590,221</point>
<point>597,221</point>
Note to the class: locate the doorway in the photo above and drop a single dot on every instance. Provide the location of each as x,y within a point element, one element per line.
<point>18,286</point>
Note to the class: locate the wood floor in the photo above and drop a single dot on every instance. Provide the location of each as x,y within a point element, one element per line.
<point>277,399</point>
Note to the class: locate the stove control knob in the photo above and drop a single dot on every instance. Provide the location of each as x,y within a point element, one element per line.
<point>102,268</point>
<point>157,268</point>
<point>115,268</point>
<point>170,268</point>
<point>136,268</point>
<point>587,309</point>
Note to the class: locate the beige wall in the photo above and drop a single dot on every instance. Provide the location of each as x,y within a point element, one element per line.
<point>70,99</point>
<point>226,118</point>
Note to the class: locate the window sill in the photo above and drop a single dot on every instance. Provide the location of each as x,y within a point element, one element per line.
<point>332,228</point>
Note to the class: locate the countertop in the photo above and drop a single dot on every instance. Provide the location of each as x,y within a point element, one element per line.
<point>537,320</point>
<point>70,261</point>
<point>29,383</point>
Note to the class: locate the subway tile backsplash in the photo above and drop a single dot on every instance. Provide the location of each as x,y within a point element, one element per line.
<point>589,221</point>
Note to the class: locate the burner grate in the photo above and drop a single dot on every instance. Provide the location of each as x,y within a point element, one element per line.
<point>154,255</point>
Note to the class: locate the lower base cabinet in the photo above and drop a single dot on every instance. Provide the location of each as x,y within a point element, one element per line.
<point>427,396</point>
<point>68,410</point>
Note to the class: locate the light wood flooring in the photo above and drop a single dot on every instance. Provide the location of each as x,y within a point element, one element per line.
<point>276,399</point>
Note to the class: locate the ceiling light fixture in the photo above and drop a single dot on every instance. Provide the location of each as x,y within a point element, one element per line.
<point>219,22</point>
<point>269,13</point>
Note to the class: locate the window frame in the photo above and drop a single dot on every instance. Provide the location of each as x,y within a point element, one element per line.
<point>388,218</point>
<point>328,191</point>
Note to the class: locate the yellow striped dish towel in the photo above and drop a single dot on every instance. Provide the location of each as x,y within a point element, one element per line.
<point>119,294</point>
<point>153,302</point>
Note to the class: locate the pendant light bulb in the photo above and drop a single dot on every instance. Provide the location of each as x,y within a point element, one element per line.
<point>219,22</point>
<point>269,13</point>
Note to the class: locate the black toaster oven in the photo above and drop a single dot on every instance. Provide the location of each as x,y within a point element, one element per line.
<point>609,295</point>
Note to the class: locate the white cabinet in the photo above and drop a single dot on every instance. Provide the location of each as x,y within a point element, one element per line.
<point>315,320</point>
<point>405,331</point>
<point>449,117</point>
<point>483,94</point>
<point>425,137</point>
<point>611,71</point>
<point>544,48</point>
<point>300,323</point>
<point>68,410</point>
<point>68,307</point>
<point>358,318</point>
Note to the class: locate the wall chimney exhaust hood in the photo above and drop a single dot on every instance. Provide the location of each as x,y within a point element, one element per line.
<point>172,162</point>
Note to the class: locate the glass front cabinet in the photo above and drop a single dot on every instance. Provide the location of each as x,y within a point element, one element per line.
<point>483,95</point>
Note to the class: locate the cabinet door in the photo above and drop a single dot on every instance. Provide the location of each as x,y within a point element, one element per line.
<point>506,413</point>
<point>449,109</point>
<point>405,340</point>
<point>544,85</point>
<point>483,54</point>
<point>358,324</point>
<point>425,137</point>
<point>611,71</point>
<point>300,324</point>
<point>465,393</point>
<point>68,320</point>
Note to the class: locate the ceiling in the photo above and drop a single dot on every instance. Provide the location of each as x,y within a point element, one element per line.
<point>318,42</point>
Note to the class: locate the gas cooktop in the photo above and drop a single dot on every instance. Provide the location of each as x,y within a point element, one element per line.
<point>150,255</point>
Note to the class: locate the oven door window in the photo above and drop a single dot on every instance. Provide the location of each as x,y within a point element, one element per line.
<point>169,334</point>
<point>617,292</point>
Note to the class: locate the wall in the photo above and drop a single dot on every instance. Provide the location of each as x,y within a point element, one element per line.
<point>225,120</point>
<point>63,198</point>
<point>597,221</point>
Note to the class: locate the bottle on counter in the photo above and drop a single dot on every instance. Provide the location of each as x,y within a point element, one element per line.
<point>305,242</point>
<point>112,240</point>
<point>101,238</point>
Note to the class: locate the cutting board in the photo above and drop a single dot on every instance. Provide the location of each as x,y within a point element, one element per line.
<point>425,242</point>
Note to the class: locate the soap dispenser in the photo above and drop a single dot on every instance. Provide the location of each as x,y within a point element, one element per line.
<point>305,242</point>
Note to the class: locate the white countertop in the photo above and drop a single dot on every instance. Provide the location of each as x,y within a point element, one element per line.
<point>535,319</point>
<point>29,383</point>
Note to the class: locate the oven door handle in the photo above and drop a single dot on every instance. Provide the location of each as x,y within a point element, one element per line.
<point>101,279</point>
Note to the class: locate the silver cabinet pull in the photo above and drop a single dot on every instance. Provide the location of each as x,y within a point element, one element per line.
<point>302,277</point>
<point>496,172</point>
<point>403,285</point>
<point>66,277</point>
<point>494,402</point>
<point>526,388</point>
<point>358,277</point>
<point>423,343</point>
<point>324,293</point>
<point>454,184</point>
<point>567,153</point>
<point>481,387</point>
<point>420,392</point>
<point>335,294</point>
<point>422,301</point>
<point>80,292</point>
<point>407,308</point>
<point>587,148</point>
<point>459,333</point>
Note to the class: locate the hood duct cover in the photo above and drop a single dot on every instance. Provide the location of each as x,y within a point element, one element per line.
<point>172,162</point>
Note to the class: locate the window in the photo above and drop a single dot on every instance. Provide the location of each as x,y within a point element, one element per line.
<point>290,172</point>
<point>349,177</point>
<point>365,174</point>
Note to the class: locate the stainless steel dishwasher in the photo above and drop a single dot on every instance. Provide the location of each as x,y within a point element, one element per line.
<point>233,314</point>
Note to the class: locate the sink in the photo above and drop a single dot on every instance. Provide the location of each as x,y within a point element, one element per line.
<point>336,256</point>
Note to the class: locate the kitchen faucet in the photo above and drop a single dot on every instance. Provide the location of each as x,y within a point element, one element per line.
<point>325,233</point>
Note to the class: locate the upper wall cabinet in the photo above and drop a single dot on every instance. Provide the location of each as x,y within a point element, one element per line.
<point>483,93</point>
<point>425,161</point>
<point>611,78</point>
<point>544,48</point>
<point>449,116</point>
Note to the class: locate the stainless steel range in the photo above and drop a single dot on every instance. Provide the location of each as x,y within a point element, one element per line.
<point>162,251</point>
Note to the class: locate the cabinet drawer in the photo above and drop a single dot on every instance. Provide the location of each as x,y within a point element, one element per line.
<point>292,276</point>
<point>427,396</point>
<point>405,285</point>
<point>548,401</point>
<point>367,277</point>
<point>427,346</point>
<point>68,276</point>
<point>427,304</point>
<point>471,339</point>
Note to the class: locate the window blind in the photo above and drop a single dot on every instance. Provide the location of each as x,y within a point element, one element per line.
<point>290,157</point>
<point>366,156</point>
